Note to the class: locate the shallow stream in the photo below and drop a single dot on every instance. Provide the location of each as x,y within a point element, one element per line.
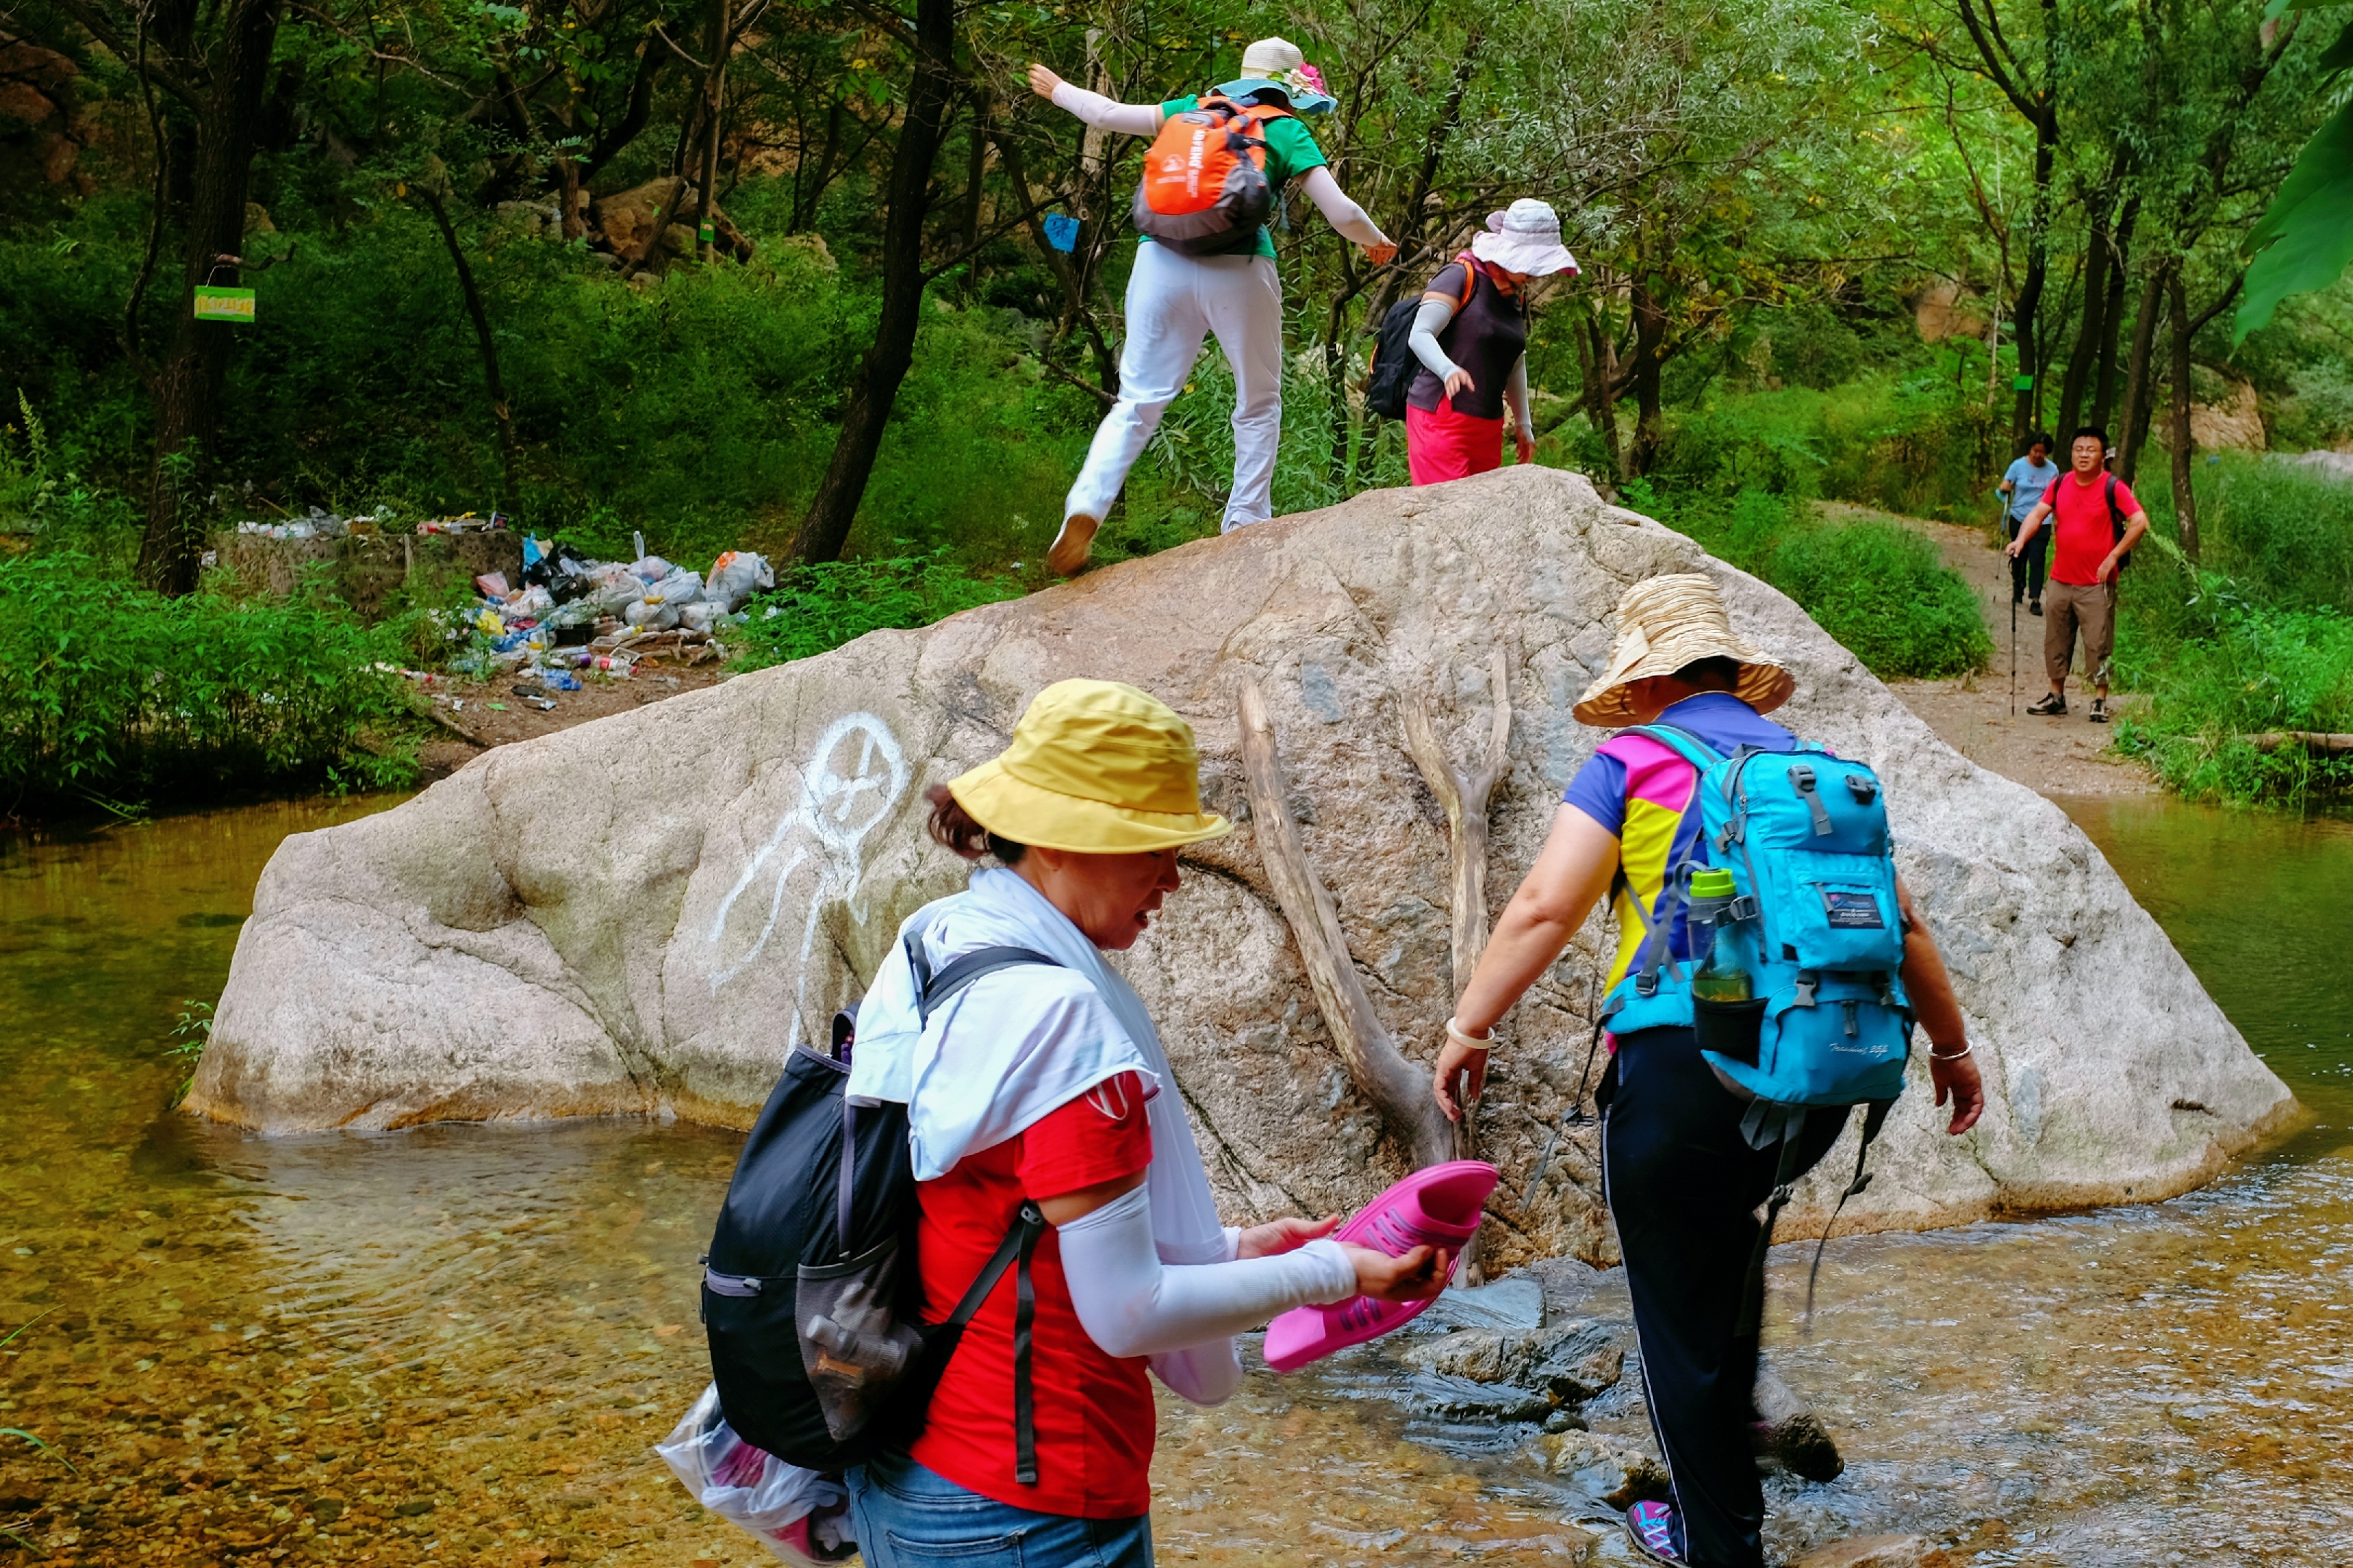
<point>456,1344</point>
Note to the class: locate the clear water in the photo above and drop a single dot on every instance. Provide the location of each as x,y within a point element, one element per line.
<point>456,1344</point>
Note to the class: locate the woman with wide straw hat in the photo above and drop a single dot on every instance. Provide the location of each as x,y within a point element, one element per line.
<point>1682,1182</point>
<point>1472,337</point>
<point>1045,1084</point>
<point>1175,301</point>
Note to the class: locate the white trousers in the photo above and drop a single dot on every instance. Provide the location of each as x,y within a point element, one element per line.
<point>1174,302</point>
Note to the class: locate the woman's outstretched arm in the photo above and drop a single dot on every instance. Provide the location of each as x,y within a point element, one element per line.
<point>1103,113</point>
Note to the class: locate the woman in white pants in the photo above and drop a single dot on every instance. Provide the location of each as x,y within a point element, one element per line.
<point>1174,301</point>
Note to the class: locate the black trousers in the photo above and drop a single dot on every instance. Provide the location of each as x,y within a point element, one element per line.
<point>1684,1186</point>
<point>2026,568</point>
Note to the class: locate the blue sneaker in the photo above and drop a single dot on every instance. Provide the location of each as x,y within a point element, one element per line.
<point>1651,1526</point>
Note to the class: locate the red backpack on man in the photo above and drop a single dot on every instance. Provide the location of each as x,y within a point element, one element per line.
<point>1205,190</point>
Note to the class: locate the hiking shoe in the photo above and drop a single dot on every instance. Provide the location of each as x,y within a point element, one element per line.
<point>2034,607</point>
<point>1072,544</point>
<point>2099,709</point>
<point>2050,707</point>
<point>1651,1526</point>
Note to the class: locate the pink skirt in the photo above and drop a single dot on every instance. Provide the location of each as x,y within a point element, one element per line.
<point>1444,445</point>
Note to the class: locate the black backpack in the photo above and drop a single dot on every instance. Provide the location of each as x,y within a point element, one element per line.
<point>811,1296</point>
<point>1394,364</point>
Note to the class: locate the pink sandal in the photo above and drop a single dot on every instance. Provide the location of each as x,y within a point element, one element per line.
<point>1437,1208</point>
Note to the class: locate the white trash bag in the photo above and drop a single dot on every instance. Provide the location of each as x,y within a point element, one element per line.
<point>736,576</point>
<point>800,1516</point>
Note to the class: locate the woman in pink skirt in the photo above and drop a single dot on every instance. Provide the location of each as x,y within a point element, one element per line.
<point>1472,337</point>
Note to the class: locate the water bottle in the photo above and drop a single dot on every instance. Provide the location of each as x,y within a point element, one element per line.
<point>1721,977</point>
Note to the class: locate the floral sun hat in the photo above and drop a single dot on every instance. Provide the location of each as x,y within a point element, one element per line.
<point>1524,237</point>
<point>1275,65</point>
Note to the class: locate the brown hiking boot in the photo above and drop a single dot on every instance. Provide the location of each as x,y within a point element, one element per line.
<point>1071,546</point>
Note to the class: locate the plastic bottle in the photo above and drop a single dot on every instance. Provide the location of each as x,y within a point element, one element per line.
<point>1720,977</point>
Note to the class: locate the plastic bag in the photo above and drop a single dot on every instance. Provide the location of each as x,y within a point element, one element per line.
<point>800,1516</point>
<point>697,616</point>
<point>652,569</point>
<point>736,576</point>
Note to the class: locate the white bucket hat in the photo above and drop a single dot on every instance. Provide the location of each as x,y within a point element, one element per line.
<point>1524,237</point>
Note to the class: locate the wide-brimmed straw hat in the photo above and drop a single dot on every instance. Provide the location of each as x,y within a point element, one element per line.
<point>1524,237</point>
<point>1275,65</point>
<point>1096,766</point>
<point>1664,624</point>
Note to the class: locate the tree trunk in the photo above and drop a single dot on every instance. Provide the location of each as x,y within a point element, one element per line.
<point>2185,501</point>
<point>500,415</point>
<point>2135,421</point>
<point>976,172</point>
<point>2026,329</point>
<point>809,185</point>
<point>1075,314</point>
<point>1650,413</point>
<point>826,525</point>
<point>189,385</point>
<point>2104,396</point>
<point>1409,235</point>
<point>1596,359</point>
<point>715,93</point>
<point>2081,358</point>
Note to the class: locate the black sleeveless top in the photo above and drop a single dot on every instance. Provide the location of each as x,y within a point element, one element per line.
<point>1486,337</point>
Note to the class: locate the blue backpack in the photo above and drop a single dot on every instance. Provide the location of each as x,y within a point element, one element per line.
<point>1814,921</point>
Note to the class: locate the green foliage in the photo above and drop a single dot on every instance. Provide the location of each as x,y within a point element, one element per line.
<point>2257,639</point>
<point>2306,236</point>
<point>190,1036</point>
<point>109,690</point>
<point>1878,587</point>
<point>814,609</point>
<point>1918,445</point>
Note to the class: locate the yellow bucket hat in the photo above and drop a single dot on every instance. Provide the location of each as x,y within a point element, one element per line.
<point>1095,766</point>
<point>1665,623</point>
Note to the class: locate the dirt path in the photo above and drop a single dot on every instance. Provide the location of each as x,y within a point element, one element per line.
<point>1972,715</point>
<point>488,713</point>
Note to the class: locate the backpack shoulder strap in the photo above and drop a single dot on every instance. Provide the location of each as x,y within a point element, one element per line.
<point>1469,265</point>
<point>933,990</point>
<point>1680,740</point>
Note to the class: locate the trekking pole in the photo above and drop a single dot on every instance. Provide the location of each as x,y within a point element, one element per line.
<point>2012,566</point>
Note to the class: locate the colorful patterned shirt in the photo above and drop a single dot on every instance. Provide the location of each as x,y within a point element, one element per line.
<point>1637,788</point>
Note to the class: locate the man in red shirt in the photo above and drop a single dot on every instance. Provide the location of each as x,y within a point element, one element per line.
<point>2087,504</point>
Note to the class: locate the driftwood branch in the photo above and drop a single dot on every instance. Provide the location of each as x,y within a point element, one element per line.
<point>1465,794</point>
<point>1398,1090</point>
<point>2310,740</point>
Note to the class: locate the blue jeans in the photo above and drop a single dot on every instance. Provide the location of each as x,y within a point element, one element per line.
<point>910,1516</point>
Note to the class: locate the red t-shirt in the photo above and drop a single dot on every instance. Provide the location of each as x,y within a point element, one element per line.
<point>1093,1412</point>
<point>2082,532</point>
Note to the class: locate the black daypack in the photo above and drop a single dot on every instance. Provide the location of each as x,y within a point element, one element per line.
<point>811,1296</point>
<point>1393,364</point>
<point>2115,523</point>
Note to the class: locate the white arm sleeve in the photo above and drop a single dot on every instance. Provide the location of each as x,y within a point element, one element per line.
<point>1515,394</point>
<point>1333,204</point>
<point>1103,114</point>
<point>1209,1372</point>
<point>1132,1304</point>
<point>1428,322</point>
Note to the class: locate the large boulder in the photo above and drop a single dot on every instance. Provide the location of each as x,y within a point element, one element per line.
<point>643,914</point>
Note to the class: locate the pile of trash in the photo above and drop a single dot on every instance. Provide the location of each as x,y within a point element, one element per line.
<point>570,615</point>
<point>318,523</point>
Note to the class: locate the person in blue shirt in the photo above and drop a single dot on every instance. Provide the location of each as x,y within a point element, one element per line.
<point>2024,483</point>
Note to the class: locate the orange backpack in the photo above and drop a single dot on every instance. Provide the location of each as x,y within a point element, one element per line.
<point>1205,190</point>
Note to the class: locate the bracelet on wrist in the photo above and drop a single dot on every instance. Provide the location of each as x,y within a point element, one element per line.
<point>1937,1056</point>
<point>1465,1038</point>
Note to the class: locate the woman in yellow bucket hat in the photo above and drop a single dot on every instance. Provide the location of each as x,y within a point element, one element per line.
<point>1044,1084</point>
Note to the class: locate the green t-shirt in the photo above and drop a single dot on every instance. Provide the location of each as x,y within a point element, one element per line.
<point>1290,152</point>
